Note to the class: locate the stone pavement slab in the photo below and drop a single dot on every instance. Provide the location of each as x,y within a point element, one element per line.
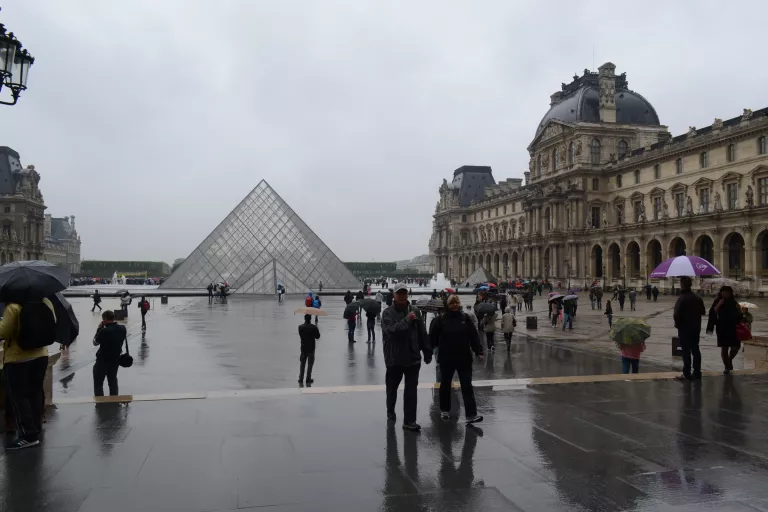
<point>634,445</point>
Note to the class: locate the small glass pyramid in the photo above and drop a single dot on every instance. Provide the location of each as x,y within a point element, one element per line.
<point>260,244</point>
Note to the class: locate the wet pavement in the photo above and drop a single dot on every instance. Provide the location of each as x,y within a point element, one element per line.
<point>640,446</point>
<point>251,343</point>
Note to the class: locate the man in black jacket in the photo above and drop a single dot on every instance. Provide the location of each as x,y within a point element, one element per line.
<point>109,338</point>
<point>689,309</point>
<point>405,338</point>
<point>308,334</point>
<point>455,336</point>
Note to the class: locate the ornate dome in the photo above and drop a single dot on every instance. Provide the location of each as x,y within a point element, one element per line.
<point>579,101</point>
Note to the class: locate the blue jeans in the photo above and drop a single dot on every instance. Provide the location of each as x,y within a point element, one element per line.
<point>351,330</point>
<point>567,319</point>
<point>627,364</point>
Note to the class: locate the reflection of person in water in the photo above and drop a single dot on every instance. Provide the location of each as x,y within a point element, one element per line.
<point>394,482</point>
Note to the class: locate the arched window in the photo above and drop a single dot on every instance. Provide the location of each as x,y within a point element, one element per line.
<point>679,166</point>
<point>594,151</point>
<point>732,153</point>
<point>571,152</point>
<point>623,148</point>
<point>538,166</point>
<point>554,159</point>
<point>761,145</point>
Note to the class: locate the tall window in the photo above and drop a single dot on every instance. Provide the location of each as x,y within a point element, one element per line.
<point>731,154</point>
<point>538,166</point>
<point>679,166</point>
<point>594,151</point>
<point>571,152</point>
<point>704,199</point>
<point>703,159</point>
<point>505,209</point>
<point>657,208</point>
<point>595,216</point>
<point>657,172</point>
<point>513,207</point>
<point>482,215</point>
<point>547,220</point>
<point>497,211</point>
<point>762,191</point>
<point>554,159</point>
<point>637,176</point>
<point>474,216</point>
<point>732,191</point>
<point>622,149</point>
<point>680,204</point>
<point>463,218</point>
<point>595,183</point>
<point>618,180</point>
<point>761,146</point>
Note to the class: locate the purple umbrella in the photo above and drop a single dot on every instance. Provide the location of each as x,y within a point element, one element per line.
<point>684,266</point>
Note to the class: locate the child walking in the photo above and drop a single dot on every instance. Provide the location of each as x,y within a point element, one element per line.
<point>609,313</point>
<point>630,357</point>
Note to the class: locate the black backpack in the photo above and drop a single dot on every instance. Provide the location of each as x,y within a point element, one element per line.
<point>37,326</point>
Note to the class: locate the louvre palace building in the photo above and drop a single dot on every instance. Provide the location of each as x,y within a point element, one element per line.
<point>610,193</point>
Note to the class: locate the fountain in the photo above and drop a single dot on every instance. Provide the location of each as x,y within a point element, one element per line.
<point>439,282</point>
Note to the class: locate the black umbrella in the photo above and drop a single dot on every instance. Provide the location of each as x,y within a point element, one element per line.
<point>121,292</point>
<point>371,305</point>
<point>351,309</point>
<point>485,308</point>
<point>67,326</point>
<point>22,281</point>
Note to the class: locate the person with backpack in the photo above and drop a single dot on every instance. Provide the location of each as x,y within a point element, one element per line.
<point>371,325</point>
<point>455,338</point>
<point>144,308</point>
<point>27,329</point>
<point>109,338</point>
<point>96,301</point>
<point>125,301</point>
<point>508,324</point>
<point>317,304</point>
<point>308,300</point>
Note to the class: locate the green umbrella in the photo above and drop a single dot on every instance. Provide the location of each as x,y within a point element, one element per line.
<point>629,331</point>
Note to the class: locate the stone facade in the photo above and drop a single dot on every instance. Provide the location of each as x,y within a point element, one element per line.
<point>62,243</point>
<point>23,223</point>
<point>609,199</point>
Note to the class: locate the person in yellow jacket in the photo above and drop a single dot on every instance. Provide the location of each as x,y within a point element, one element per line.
<point>24,372</point>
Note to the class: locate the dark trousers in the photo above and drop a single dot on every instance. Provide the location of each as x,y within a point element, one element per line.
<point>351,330</point>
<point>106,369</point>
<point>95,305</point>
<point>394,375</point>
<point>621,305</point>
<point>143,320</point>
<point>447,369</point>
<point>628,364</point>
<point>489,339</point>
<point>303,359</point>
<point>25,395</point>
<point>689,343</point>
<point>371,325</point>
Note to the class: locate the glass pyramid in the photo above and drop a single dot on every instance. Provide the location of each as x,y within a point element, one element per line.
<point>260,244</point>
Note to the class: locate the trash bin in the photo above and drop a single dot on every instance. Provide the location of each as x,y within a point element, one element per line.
<point>164,299</point>
<point>119,314</point>
<point>677,350</point>
<point>530,322</point>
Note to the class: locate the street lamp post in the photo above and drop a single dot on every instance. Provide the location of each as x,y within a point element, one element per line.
<point>14,65</point>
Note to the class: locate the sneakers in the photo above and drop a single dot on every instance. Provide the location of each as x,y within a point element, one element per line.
<point>310,381</point>
<point>726,371</point>
<point>474,419</point>
<point>20,443</point>
<point>413,426</point>
<point>445,415</point>
<point>683,378</point>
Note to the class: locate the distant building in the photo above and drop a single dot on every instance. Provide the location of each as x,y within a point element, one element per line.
<point>421,264</point>
<point>371,269</point>
<point>62,243</point>
<point>101,268</point>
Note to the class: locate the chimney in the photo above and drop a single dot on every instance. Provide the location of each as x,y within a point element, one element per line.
<point>72,222</point>
<point>607,74</point>
<point>555,98</point>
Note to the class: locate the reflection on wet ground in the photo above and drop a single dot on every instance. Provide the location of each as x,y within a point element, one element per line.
<point>251,343</point>
<point>639,446</point>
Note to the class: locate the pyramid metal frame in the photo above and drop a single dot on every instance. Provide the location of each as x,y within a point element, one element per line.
<point>262,242</point>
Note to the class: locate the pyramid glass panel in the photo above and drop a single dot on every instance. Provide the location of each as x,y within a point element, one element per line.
<point>260,244</point>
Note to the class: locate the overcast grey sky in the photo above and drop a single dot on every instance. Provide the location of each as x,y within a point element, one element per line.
<point>150,120</point>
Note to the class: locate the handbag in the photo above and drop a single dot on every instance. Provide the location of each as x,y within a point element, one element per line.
<point>742,332</point>
<point>126,360</point>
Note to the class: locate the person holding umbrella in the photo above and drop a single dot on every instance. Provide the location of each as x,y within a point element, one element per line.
<point>455,336</point>
<point>28,327</point>
<point>689,309</point>
<point>144,309</point>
